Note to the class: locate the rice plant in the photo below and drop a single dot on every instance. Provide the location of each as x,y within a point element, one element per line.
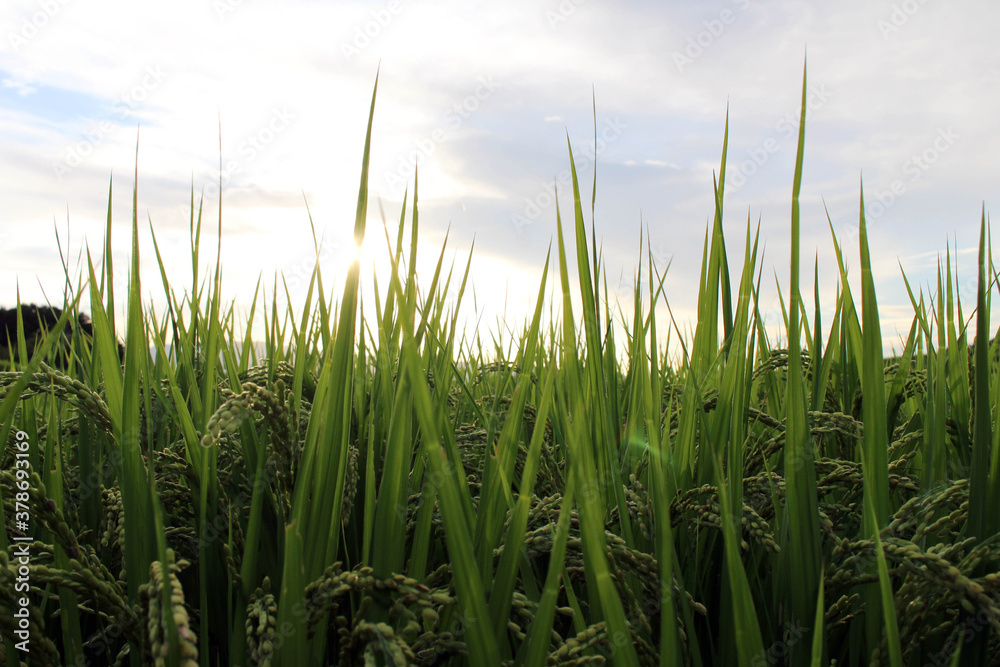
<point>367,486</point>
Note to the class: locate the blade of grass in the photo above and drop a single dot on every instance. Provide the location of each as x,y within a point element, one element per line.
<point>888,602</point>
<point>982,516</point>
<point>802,551</point>
<point>581,458</point>
<point>817,641</point>
<point>310,536</point>
<point>875,443</point>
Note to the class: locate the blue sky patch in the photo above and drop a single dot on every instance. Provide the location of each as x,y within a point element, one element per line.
<point>49,103</point>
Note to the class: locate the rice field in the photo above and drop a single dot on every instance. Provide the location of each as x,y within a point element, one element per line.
<point>374,489</point>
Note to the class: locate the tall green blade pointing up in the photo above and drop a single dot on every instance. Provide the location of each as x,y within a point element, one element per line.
<point>802,550</point>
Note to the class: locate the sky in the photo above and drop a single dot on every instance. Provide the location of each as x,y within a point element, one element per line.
<point>902,97</point>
